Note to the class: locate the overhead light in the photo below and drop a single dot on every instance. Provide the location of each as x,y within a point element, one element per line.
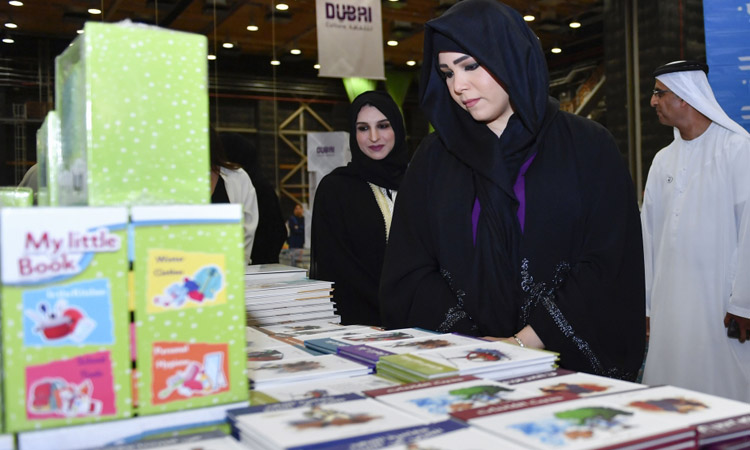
<point>316,66</point>
<point>227,45</point>
<point>79,31</point>
<point>295,51</point>
<point>556,50</point>
<point>252,28</point>
<point>8,40</point>
<point>94,11</point>
<point>392,43</point>
<point>575,24</point>
<point>411,62</point>
<point>10,25</point>
<point>15,3</point>
<point>275,62</point>
<point>529,18</point>
<point>282,6</point>
<point>211,57</point>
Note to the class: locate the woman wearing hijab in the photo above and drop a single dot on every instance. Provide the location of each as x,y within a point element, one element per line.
<point>515,220</point>
<point>353,208</point>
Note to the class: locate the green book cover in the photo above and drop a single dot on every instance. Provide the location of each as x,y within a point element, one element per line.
<point>413,364</point>
<point>133,101</point>
<point>64,316</point>
<point>188,264</point>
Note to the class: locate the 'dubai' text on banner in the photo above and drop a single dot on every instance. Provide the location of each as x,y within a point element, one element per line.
<point>350,39</point>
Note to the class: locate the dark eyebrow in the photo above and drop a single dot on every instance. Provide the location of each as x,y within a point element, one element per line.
<point>456,61</point>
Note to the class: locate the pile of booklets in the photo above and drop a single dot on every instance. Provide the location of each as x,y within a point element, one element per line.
<point>488,359</point>
<point>263,374</point>
<point>278,294</point>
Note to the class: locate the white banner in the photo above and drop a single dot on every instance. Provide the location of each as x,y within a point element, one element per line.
<point>325,152</point>
<point>350,39</point>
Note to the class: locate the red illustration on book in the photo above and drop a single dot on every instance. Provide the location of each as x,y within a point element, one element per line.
<point>59,397</point>
<point>61,321</point>
<point>204,285</point>
<point>197,378</point>
<point>574,388</point>
<point>678,405</point>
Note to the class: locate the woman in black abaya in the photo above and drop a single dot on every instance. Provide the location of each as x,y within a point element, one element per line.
<point>353,208</point>
<point>515,220</point>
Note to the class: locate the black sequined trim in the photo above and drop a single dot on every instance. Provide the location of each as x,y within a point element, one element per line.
<point>455,313</point>
<point>537,293</point>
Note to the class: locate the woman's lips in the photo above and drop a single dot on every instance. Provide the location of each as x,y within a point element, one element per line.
<point>376,148</point>
<point>470,103</point>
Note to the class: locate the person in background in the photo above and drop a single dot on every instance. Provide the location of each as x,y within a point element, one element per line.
<point>354,205</point>
<point>696,236</point>
<point>231,184</point>
<point>296,226</point>
<point>271,232</point>
<point>515,220</point>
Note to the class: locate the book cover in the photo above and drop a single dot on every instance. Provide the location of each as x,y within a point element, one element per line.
<point>364,353</point>
<point>437,399</point>
<point>325,388</point>
<point>563,421</point>
<point>281,351</point>
<point>416,365</point>
<point>446,438</point>
<point>424,342</point>
<point>64,315</point>
<point>189,317</point>
<point>269,373</point>
<point>579,383</point>
<point>133,101</point>
<point>729,429</point>
<point>317,423</point>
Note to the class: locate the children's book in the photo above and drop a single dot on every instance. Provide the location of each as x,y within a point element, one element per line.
<point>281,351</point>
<point>65,319</point>
<point>320,388</point>
<point>451,435</point>
<point>188,264</point>
<point>372,351</point>
<point>437,399</point>
<point>256,273</point>
<point>210,440</point>
<point>316,423</point>
<point>579,383</point>
<point>273,373</point>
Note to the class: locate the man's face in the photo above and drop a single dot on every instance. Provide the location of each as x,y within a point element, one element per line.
<point>666,104</point>
<point>298,210</point>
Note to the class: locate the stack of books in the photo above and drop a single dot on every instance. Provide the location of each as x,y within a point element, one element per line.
<point>371,352</point>
<point>289,301</point>
<point>263,374</point>
<point>318,389</point>
<point>333,342</point>
<point>262,347</point>
<point>663,417</point>
<point>485,359</point>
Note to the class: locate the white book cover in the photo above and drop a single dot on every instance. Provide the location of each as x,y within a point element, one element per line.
<point>576,423</point>
<point>436,399</point>
<point>289,318</point>
<point>284,302</point>
<point>487,356</point>
<point>428,342</point>
<point>579,383</point>
<point>323,388</point>
<point>297,309</point>
<point>302,331</point>
<point>280,352</point>
<point>464,438</point>
<point>257,340</point>
<point>274,271</point>
<point>372,337</point>
<point>316,423</point>
<point>283,286</point>
<point>269,373</point>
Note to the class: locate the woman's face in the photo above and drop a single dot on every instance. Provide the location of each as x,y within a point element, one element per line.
<point>476,90</point>
<point>375,135</point>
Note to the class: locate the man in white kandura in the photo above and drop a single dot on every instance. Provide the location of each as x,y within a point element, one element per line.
<point>696,236</point>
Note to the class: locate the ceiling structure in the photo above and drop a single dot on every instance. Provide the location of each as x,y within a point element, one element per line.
<point>227,21</point>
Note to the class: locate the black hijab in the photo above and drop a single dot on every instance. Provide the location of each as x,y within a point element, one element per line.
<point>497,37</point>
<point>388,171</point>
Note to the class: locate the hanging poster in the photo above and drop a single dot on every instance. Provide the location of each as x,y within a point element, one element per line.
<point>350,39</point>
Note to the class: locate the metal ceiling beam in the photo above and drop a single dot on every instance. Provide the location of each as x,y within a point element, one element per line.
<point>174,13</point>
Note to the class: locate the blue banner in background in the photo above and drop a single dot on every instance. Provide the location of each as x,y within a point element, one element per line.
<point>727,27</point>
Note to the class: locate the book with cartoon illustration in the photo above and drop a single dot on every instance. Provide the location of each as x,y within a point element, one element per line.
<point>188,264</point>
<point>64,316</point>
<point>317,421</point>
<point>437,399</point>
<point>372,351</point>
<point>331,342</point>
<point>318,389</point>
<point>263,374</point>
<point>648,417</point>
<point>448,435</point>
<point>579,383</point>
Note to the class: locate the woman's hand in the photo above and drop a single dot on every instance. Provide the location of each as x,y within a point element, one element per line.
<point>527,336</point>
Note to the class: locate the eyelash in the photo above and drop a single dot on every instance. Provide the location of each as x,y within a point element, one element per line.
<point>468,68</point>
<point>382,126</point>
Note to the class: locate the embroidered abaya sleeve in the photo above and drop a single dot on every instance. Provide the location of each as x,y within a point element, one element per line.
<point>413,291</point>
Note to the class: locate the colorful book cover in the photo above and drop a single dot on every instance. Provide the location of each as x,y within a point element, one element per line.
<point>364,353</point>
<point>278,353</point>
<point>437,399</point>
<point>133,101</point>
<point>562,421</point>
<point>325,388</point>
<point>420,367</point>
<point>189,316</point>
<point>579,383</point>
<point>64,316</point>
<point>321,422</point>
<point>273,373</point>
